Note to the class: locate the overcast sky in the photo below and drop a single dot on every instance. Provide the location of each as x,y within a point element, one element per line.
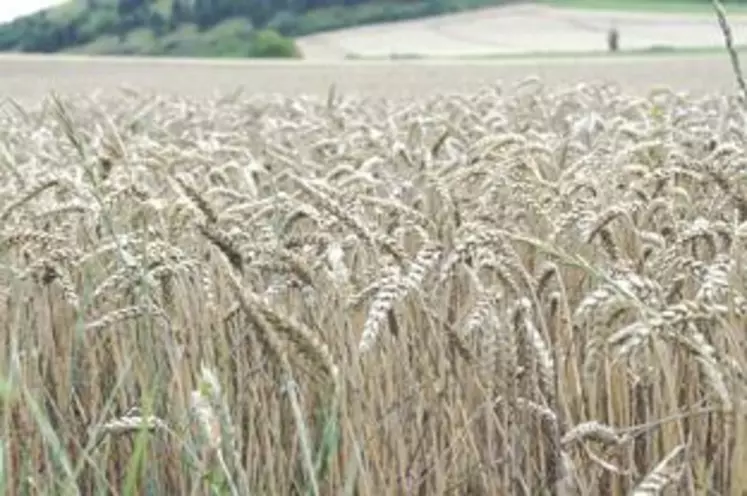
<point>14,8</point>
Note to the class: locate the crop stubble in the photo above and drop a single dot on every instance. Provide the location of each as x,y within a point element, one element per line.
<point>32,77</point>
<point>493,292</point>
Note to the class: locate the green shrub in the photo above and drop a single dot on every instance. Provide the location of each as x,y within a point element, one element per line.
<point>268,43</point>
<point>284,22</point>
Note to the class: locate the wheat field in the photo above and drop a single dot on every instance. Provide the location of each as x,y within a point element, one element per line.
<point>514,288</point>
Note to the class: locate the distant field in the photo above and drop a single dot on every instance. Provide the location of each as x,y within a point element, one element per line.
<point>526,28</point>
<point>29,78</point>
<point>679,6</point>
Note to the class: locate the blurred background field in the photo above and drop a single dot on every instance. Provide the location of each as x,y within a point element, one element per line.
<point>29,78</point>
<point>328,29</point>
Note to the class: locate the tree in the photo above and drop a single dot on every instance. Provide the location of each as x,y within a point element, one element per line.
<point>179,13</point>
<point>204,13</point>
<point>157,23</point>
<point>125,7</point>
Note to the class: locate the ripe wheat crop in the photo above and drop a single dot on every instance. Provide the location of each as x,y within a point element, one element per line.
<point>524,290</point>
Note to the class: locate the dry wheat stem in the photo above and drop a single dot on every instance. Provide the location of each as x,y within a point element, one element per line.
<point>491,292</point>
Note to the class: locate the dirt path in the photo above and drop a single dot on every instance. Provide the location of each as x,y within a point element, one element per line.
<point>520,29</point>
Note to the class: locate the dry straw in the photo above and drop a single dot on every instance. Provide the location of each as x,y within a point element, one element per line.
<point>523,290</point>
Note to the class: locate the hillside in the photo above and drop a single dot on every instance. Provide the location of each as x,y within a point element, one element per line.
<point>228,28</point>
<point>555,30</point>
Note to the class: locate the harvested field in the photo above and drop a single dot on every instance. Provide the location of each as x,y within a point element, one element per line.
<point>30,78</point>
<point>523,28</point>
<point>527,288</point>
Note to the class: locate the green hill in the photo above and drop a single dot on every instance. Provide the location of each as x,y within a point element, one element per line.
<point>209,28</point>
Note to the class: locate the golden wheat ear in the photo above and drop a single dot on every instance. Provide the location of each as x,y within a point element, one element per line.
<point>529,289</point>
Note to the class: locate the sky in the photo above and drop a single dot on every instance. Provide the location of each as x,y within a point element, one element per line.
<point>10,9</point>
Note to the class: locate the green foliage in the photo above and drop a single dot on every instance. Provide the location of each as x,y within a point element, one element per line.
<point>268,43</point>
<point>341,16</point>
